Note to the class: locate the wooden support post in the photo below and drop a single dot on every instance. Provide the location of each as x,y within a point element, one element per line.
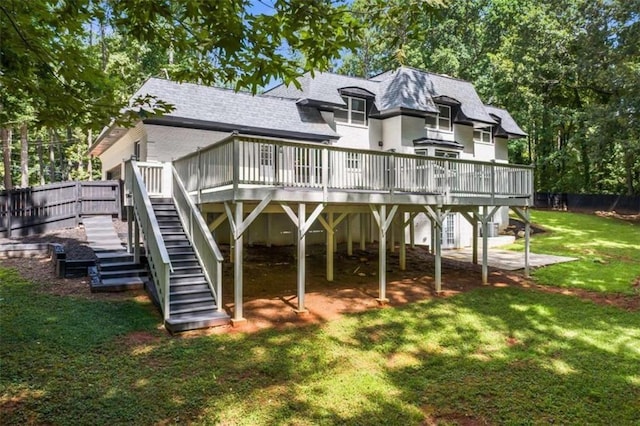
<point>232,245</point>
<point>436,218</point>
<point>392,239</point>
<point>382,255</point>
<point>237,266</point>
<point>136,242</point>
<point>403,248</point>
<point>349,235</point>
<point>527,240</point>
<point>302,216</point>
<point>384,222</point>
<point>438,249</point>
<point>474,250</point>
<point>363,232</point>
<point>330,246</point>
<point>412,231</point>
<point>485,246</point>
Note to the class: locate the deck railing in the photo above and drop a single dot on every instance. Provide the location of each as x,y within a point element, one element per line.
<point>157,255</point>
<point>201,239</point>
<point>239,160</point>
<point>156,177</point>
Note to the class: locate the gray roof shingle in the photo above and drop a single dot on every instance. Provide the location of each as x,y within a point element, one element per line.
<point>266,114</point>
<point>403,88</point>
<point>506,122</point>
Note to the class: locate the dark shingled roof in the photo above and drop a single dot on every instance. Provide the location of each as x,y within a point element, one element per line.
<point>404,88</point>
<point>261,113</point>
<point>506,123</point>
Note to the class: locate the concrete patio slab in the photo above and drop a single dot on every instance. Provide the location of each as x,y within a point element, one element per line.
<point>505,259</point>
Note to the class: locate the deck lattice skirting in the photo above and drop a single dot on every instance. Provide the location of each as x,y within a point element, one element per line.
<point>242,177</point>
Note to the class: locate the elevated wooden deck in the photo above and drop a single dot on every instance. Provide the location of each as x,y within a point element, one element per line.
<point>250,169</point>
<point>243,177</point>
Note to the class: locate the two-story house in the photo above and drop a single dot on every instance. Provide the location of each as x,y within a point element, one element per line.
<point>404,156</point>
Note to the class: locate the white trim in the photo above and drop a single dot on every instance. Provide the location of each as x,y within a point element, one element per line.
<point>348,99</point>
<point>439,116</point>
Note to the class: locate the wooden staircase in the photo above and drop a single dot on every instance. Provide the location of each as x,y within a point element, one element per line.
<point>192,304</point>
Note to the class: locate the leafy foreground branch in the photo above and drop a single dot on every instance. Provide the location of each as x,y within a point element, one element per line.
<point>491,355</point>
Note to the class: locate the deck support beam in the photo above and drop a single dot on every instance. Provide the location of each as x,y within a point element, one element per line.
<point>363,231</point>
<point>238,226</point>
<point>384,221</point>
<point>525,215</point>
<point>412,230</point>
<point>303,224</point>
<point>349,235</point>
<point>471,218</point>
<point>484,219</point>
<point>437,217</point>
<point>330,226</point>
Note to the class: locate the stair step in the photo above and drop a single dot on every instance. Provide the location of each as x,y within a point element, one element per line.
<point>187,269</point>
<point>182,256</point>
<point>202,307</point>
<point>123,274</point>
<point>178,323</point>
<point>118,284</point>
<point>107,257</point>
<point>128,265</point>
<point>187,278</point>
<point>182,305</point>
<point>161,200</point>
<point>185,262</point>
<point>177,243</point>
<point>175,237</point>
<point>184,294</point>
<point>200,285</point>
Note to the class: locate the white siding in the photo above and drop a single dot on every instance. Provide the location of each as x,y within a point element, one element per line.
<point>123,149</point>
<point>166,143</point>
<point>502,150</point>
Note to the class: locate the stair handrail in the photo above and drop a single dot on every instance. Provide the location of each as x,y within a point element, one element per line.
<point>157,254</point>
<point>198,233</point>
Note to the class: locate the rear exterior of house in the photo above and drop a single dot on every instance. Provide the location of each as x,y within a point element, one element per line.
<point>406,156</point>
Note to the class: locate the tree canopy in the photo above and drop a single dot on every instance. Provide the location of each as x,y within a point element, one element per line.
<point>568,71</point>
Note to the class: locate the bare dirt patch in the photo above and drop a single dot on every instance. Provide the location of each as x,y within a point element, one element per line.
<point>270,299</point>
<point>634,218</point>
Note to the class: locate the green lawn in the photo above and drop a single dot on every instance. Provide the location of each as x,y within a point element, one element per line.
<point>494,355</point>
<point>608,250</point>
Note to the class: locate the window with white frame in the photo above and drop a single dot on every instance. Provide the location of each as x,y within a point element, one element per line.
<point>355,111</point>
<point>445,153</point>
<point>482,135</point>
<point>440,121</point>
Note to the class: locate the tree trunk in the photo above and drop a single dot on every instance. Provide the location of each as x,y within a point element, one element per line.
<point>24,155</point>
<point>52,158</point>
<point>40,161</point>
<point>90,160</point>
<point>6,135</point>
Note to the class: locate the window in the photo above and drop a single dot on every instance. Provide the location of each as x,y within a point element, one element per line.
<point>445,153</point>
<point>482,135</point>
<point>354,113</point>
<point>441,120</point>
<point>136,150</point>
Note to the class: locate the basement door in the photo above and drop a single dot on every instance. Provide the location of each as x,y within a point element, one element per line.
<point>449,231</point>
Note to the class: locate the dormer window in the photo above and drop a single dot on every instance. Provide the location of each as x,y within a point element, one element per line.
<point>483,135</point>
<point>440,121</point>
<point>355,111</point>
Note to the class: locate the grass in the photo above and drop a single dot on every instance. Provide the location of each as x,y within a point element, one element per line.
<point>493,355</point>
<point>608,251</point>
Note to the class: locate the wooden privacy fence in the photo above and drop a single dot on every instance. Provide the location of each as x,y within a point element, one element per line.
<point>54,206</point>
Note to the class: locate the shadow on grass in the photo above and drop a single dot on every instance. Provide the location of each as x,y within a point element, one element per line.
<point>491,355</point>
